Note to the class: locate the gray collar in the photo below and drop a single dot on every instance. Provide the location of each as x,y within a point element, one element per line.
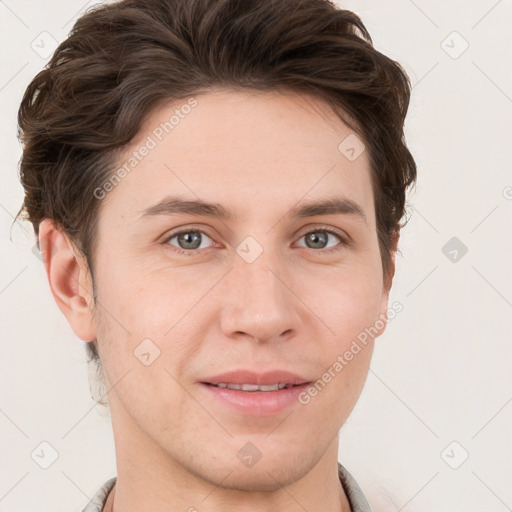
<point>354,493</point>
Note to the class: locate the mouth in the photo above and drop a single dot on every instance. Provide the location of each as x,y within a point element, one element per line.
<point>252,381</point>
<point>251,388</point>
<point>252,394</point>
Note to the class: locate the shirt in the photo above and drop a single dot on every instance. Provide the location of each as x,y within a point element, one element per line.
<point>354,494</point>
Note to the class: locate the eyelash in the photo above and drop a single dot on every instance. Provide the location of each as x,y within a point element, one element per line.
<point>344,242</point>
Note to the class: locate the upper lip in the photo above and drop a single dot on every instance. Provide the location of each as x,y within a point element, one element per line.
<point>260,379</point>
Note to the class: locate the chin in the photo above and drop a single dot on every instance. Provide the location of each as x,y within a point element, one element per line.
<point>262,479</point>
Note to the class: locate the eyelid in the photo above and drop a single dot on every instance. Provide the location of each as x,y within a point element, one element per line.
<point>329,229</point>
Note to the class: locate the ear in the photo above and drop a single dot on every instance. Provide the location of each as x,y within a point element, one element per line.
<point>69,278</point>
<point>387,282</point>
<point>388,279</point>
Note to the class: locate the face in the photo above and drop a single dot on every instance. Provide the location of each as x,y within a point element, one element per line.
<point>186,295</point>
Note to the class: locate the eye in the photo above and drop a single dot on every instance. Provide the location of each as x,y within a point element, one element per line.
<point>324,239</point>
<point>188,241</point>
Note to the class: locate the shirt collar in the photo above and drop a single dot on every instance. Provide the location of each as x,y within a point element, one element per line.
<point>354,493</point>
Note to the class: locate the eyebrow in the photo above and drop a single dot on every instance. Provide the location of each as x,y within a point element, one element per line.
<point>173,205</point>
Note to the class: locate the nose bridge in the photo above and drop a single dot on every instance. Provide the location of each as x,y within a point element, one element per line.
<point>258,303</point>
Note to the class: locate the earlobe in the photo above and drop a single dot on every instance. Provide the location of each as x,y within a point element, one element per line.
<point>69,279</point>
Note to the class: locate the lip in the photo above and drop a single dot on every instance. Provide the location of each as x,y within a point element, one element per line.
<point>255,403</point>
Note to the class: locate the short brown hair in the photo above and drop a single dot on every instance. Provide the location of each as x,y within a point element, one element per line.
<point>122,60</point>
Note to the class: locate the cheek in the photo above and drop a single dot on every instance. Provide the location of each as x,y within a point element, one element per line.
<point>135,297</point>
<point>349,303</point>
<point>144,313</point>
<point>350,309</point>
<point>140,363</point>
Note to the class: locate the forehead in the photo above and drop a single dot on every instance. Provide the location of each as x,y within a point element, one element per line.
<point>246,148</point>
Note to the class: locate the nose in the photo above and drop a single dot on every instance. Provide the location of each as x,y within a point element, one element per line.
<point>258,302</point>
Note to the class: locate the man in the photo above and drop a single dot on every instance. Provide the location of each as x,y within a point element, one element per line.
<point>217,187</point>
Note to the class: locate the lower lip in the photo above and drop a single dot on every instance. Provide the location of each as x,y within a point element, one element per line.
<point>256,403</point>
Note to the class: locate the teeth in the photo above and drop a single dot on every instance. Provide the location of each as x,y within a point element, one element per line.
<point>253,387</point>
<point>249,387</point>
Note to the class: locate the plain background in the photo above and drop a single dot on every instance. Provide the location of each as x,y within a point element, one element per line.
<point>432,428</point>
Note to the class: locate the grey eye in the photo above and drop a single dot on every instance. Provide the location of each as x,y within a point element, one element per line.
<point>189,240</point>
<point>319,239</point>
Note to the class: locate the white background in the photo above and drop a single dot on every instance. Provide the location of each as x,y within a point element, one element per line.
<point>441,372</point>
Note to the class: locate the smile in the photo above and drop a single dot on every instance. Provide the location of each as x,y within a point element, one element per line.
<point>252,387</point>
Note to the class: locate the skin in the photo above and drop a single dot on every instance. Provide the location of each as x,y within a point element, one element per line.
<point>296,307</point>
